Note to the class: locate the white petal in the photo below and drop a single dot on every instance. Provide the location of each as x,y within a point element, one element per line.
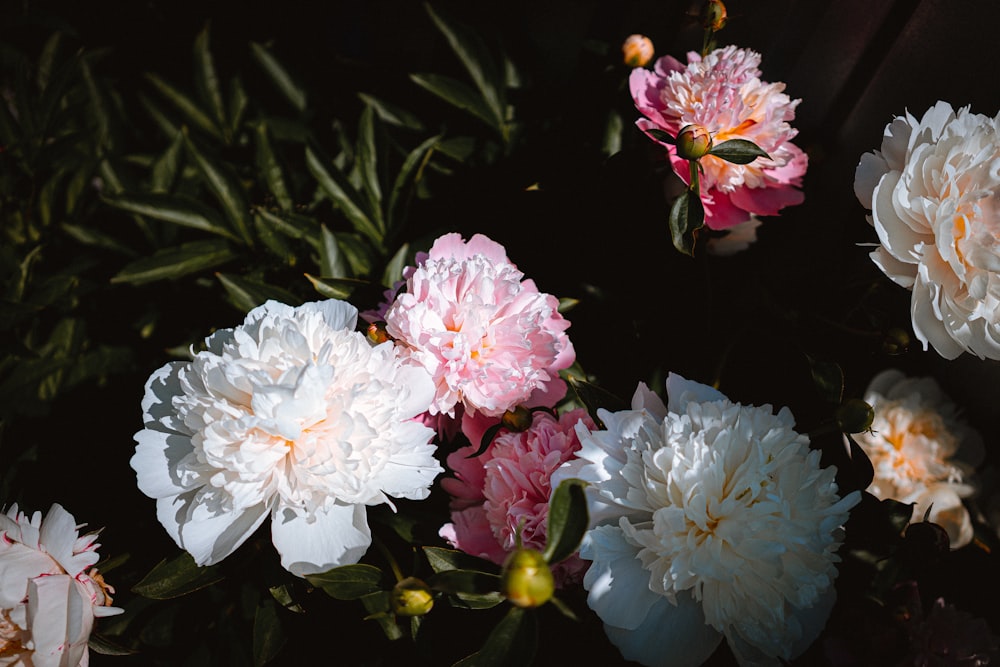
<point>669,636</point>
<point>211,536</point>
<point>19,564</point>
<point>338,314</point>
<point>617,583</point>
<point>58,534</point>
<point>927,326</point>
<point>866,176</point>
<point>60,619</point>
<point>681,391</point>
<point>156,459</point>
<point>327,539</point>
<point>157,406</point>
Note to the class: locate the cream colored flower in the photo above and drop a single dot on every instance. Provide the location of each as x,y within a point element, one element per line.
<point>292,415</point>
<point>921,451</point>
<point>932,193</point>
<point>50,594</point>
<point>710,520</point>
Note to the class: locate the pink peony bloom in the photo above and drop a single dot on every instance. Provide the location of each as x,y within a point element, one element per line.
<point>50,594</point>
<point>488,337</point>
<point>723,93</point>
<point>506,490</point>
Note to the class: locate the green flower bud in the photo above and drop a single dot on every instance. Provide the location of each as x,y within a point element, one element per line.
<point>693,142</point>
<point>526,579</point>
<point>714,17</point>
<point>411,597</point>
<point>637,50</point>
<point>855,416</point>
<point>896,341</point>
<point>517,419</point>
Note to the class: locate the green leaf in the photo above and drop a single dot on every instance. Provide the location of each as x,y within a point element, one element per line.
<point>167,167</point>
<point>176,577</point>
<point>290,224</point>
<point>336,288</point>
<point>184,104</point>
<point>464,581</point>
<point>458,94</point>
<point>441,560</point>
<point>348,582</point>
<point>687,216</point>
<point>335,185</point>
<point>247,294</point>
<point>178,209</point>
<point>367,165</point>
<point>175,262</point>
<point>226,186</point>
<point>270,166</point>
<point>105,646</point>
<point>512,642</point>
<point>738,151</point>
<point>331,262</point>
<point>394,269</point>
<point>98,105</point>
<point>97,239</point>
<point>828,378</point>
<point>159,117</point>
<point>274,240</point>
<point>406,180</point>
<point>238,103</point>
<point>379,608</point>
<point>472,51</point>
<point>207,81</point>
<point>661,135</point>
<point>568,520</point>
<point>595,397</point>
<point>392,114</point>
<point>279,76</point>
<point>283,596</point>
<point>268,634</point>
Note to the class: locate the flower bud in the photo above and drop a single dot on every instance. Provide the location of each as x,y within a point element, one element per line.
<point>517,419</point>
<point>637,50</point>
<point>411,597</point>
<point>693,142</point>
<point>714,17</point>
<point>895,341</point>
<point>855,416</point>
<point>376,333</point>
<point>526,579</point>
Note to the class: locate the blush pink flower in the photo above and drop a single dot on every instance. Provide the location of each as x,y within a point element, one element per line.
<point>487,336</point>
<point>723,93</point>
<point>505,491</point>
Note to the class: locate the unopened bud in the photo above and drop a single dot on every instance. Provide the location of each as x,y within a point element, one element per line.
<point>376,333</point>
<point>896,341</point>
<point>855,416</point>
<point>693,142</point>
<point>517,419</point>
<point>412,597</point>
<point>714,18</point>
<point>637,50</point>
<point>526,579</point>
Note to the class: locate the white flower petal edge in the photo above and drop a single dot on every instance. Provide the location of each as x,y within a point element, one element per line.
<point>292,415</point>
<point>709,519</point>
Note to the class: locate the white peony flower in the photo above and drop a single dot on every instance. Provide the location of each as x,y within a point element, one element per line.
<point>709,520</point>
<point>49,592</point>
<point>921,451</point>
<point>292,415</point>
<point>931,190</point>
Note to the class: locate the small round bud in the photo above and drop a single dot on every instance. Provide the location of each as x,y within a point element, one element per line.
<point>637,50</point>
<point>376,333</point>
<point>855,416</point>
<point>526,579</point>
<point>714,17</point>
<point>411,597</point>
<point>693,142</point>
<point>517,419</point>
<point>895,341</point>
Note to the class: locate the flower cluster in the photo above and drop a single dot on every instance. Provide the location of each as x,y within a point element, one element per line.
<point>921,451</point>
<point>50,593</point>
<point>710,520</point>
<point>931,190</point>
<point>722,93</point>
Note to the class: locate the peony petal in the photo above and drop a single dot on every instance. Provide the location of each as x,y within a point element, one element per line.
<point>337,314</point>
<point>868,173</point>
<point>669,636</point>
<point>767,200</point>
<point>60,619</point>
<point>681,391</point>
<point>329,538</point>
<point>209,536</point>
<point>927,324</point>
<point>18,565</point>
<point>156,462</point>
<point>58,535</point>
<point>617,583</point>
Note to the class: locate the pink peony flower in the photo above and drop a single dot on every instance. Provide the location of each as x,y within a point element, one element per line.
<point>50,595</point>
<point>488,337</point>
<point>506,490</point>
<point>723,93</point>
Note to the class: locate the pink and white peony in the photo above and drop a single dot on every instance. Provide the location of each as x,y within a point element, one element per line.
<point>932,189</point>
<point>710,520</point>
<point>292,415</point>
<point>922,452</point>
<point>723,94</point>
<point>486,335</point>
<point>50,593</point>
<point>505,492</point>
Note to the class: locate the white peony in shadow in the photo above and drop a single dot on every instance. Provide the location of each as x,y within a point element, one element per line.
<point>710,520</point>
<point>292,415</point>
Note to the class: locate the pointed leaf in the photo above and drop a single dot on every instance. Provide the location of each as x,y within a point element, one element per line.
<point>348,582</point>
<point>184,104</point>
<point>268,634</point>
<point>336,288</point>
<point>274,240</point>
<point>98,105</point>
<point>290,224</point>
<point>459,94</point>
<point>178,209</point>
<point>595,397</point>
<point>406,180</point>
<point>226,186</point>
<point>738,151</point>
<point>207,80</point>
<point>279,76</point>
<point>512,642</point>
<point>176,577</point>
<point>464,581</point>
<point>687,216</point>
<point>159,116</point>
<point>367,165</point>
<point>270,166</point>
<point>392,114</point>
<point>379,608</point>
<point>441,560</point>
<point>394,269</point>
<point>567,522</point>
<point>335,185</point>
<point>175,262</point>
<point>331,262</point>
<point>247,294</point>
<point>828,378</point>
<point>168,166</point>
<point>100,644</point>
<point>238,103</point>
<point>93,237</point>
<point>661,135</point>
